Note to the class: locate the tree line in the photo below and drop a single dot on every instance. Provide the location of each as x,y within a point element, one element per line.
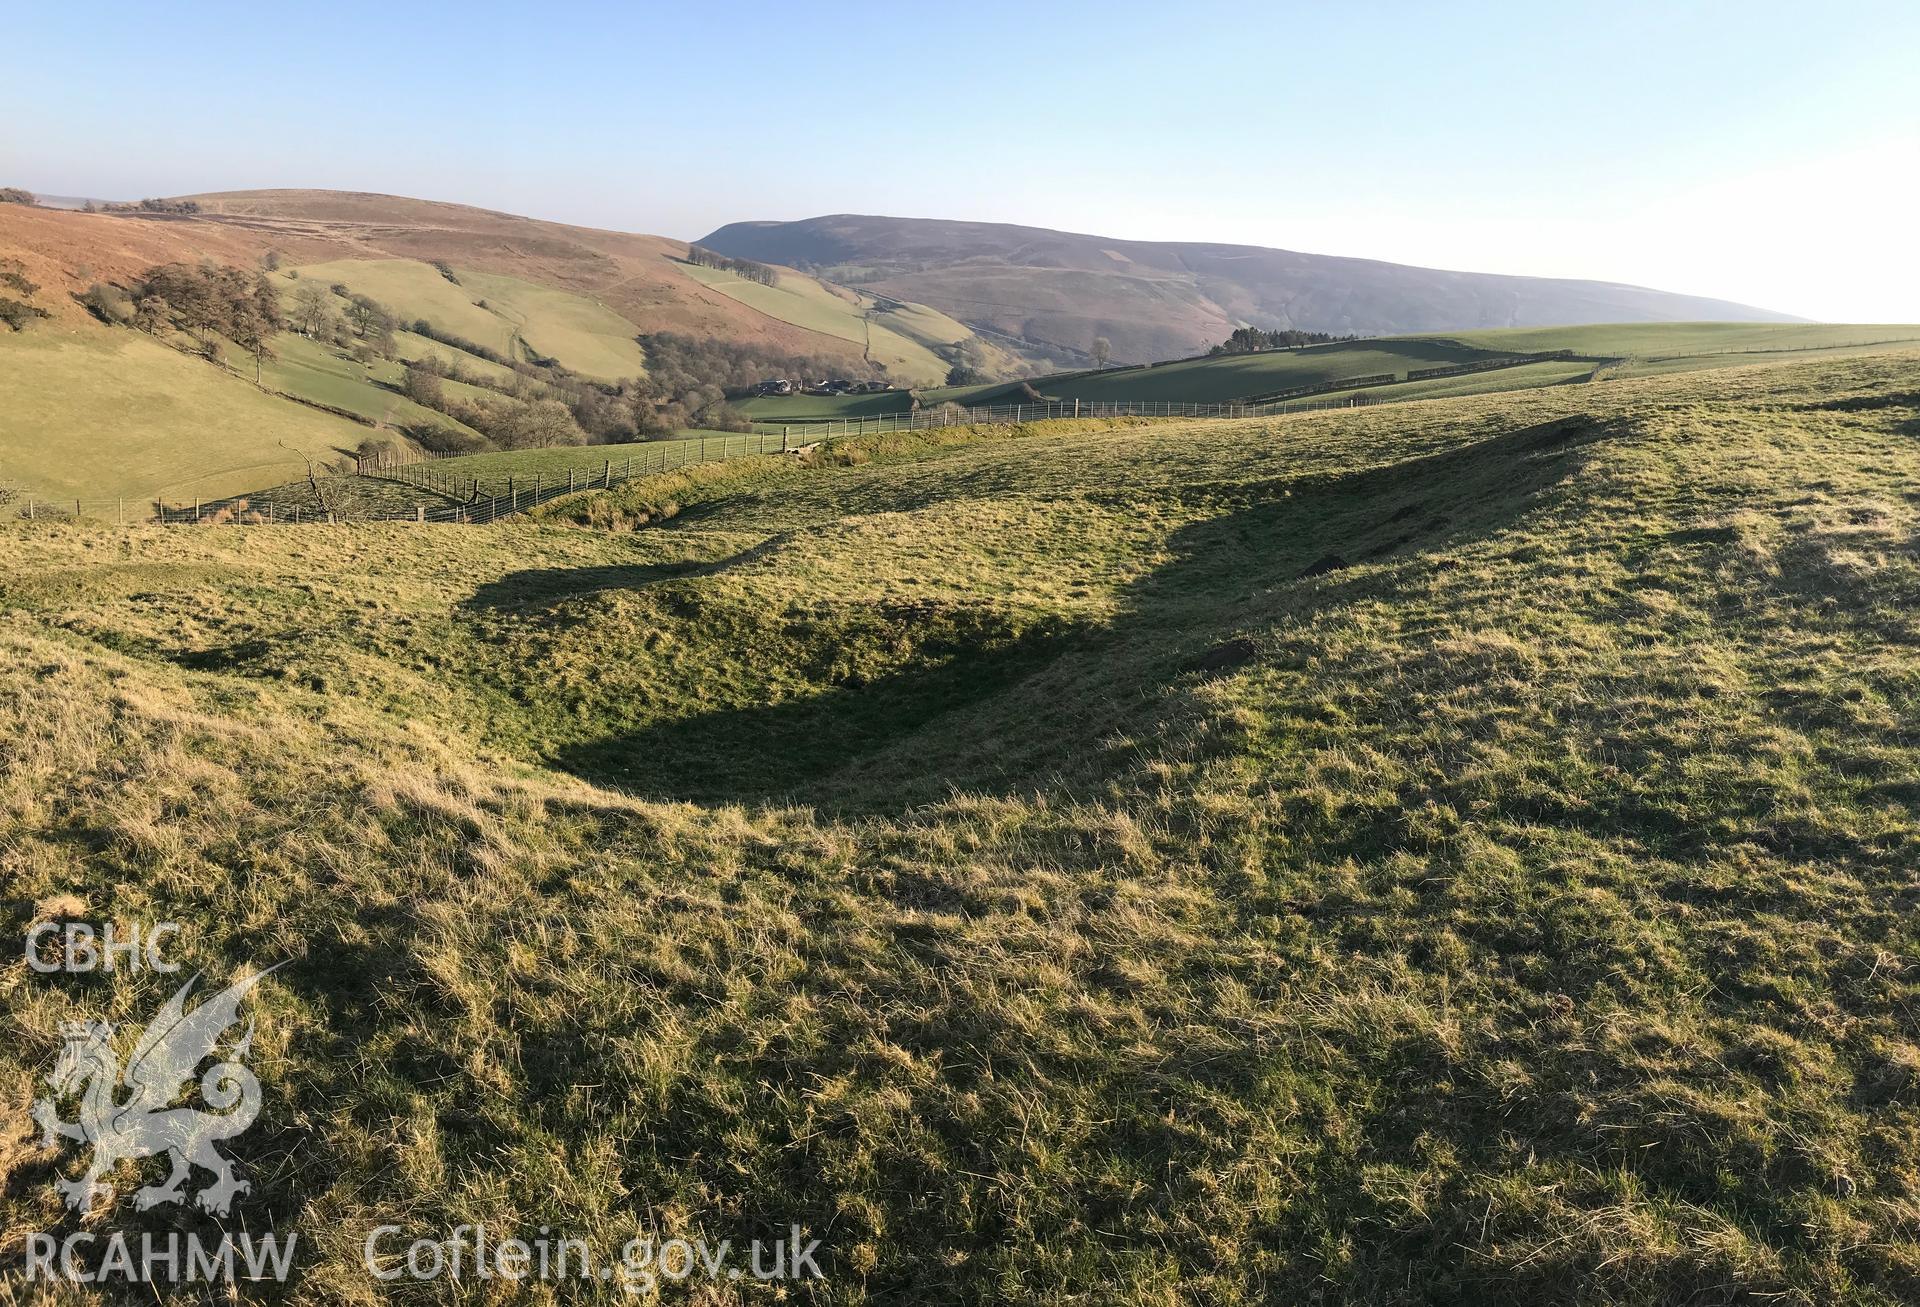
<point>1252,340</point>
<point>143,206</point>
<point>207,301</point>
<point>14,195</point>
<point>701,256</point>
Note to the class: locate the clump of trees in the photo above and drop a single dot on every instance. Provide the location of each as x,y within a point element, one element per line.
<point>517,422</point>
<point>689,382</point>
<point>701,256</point>
<point>525,414</point>
<point>423,385</point>
<point>373,323</point>
<point>17,313</point>
<point>110,304</point>
<point>1252,340</point>
<point>529,423</point>
<point>207,301</point>
<point>602,412</point>
<point>969,364</point>
<point>146,206</point>
<point>315,315</point>
<point>14,195</point>
<point>13,275</point>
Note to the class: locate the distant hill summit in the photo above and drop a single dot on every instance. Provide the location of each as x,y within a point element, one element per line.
<point>1160,299</point>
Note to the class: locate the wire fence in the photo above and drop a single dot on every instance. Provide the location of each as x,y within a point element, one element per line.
<point>476,497</point>
<point>935,416</point>
<point>475,493</point>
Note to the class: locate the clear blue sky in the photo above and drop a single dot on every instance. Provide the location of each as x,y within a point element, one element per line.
<point>1759,151</point>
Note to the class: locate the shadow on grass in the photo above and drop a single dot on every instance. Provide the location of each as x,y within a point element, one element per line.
<point>1063,706</point>
<point>535,593</point>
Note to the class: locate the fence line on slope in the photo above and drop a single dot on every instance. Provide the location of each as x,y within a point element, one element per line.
<point>477,499</point>
<point>936,416</point>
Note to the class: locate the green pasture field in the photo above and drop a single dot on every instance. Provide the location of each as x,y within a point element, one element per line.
<point>1656,339</point>
<point>581,333</point>
<point>1237,376</point>
<point>101,413</point>
<point>816,408</point>
<point>414,348</point>
<point>321,374</point>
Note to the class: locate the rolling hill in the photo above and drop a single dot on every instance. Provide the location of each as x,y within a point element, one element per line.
<point>1059,290</point>
<point>1450,854</point>
<point>1385,369</point>
<point>88,411</point>
<point>643,282</point>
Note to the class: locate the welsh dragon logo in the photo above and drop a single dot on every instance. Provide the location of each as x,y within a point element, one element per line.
<point>147,1123</point>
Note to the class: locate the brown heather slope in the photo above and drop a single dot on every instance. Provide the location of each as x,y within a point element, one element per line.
<point>636,276</point>
<point>66,251</point>
<point>1163,299</point>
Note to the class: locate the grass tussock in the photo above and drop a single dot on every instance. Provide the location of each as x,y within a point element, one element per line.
<point>1455,853</point>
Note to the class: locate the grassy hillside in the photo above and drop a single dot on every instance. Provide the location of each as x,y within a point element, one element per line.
<point>1664,339</point>
<point>98,414</point>
<point>813,408</point>
<point>1459,853</point>
<point>845,314</point>
<point>1644,348</point>
<point>1196,381</point>
<point>323,375</point>
<point>498,312</point>
<point>436,484</point>
<point>580,275</point>
<point>1678,346</point>
<point>1215,380</point>
<point>640,278</point>
<point>493,473</point>
<point>413,348</point>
